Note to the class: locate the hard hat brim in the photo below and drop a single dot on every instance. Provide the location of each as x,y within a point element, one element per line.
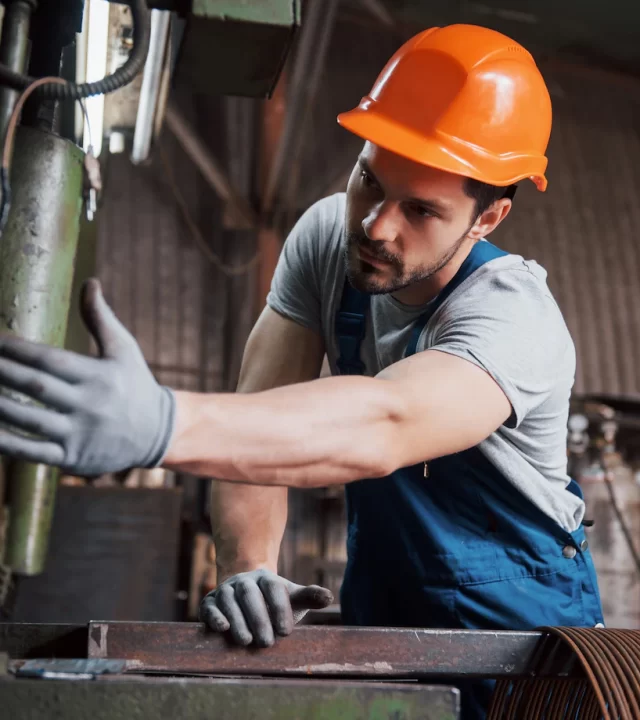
<point>440,151</point>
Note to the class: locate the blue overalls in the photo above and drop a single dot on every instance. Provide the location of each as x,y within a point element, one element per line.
<point>455,545</point>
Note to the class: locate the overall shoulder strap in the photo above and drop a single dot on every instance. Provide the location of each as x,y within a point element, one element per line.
<point>350,328</point>
<point>481,253</point>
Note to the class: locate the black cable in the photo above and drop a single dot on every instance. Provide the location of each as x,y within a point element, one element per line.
<point>121,77</point>
<point>61,89</point>
<point>5,203</point>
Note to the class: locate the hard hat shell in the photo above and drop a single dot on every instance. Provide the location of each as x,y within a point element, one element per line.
<point>464,99</point>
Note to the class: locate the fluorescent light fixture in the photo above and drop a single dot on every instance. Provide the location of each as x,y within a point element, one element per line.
<point>97,44</point>
<point>151,85</point>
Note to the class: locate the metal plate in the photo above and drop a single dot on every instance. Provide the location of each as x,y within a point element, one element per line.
<point>196,699</point>
<point>114,553</point>
<point>87,668</point>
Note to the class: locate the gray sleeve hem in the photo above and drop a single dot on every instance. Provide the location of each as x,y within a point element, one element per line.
<point>507,387</point>
<point>274,302</point>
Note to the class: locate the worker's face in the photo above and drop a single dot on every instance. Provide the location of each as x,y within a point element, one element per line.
<point>405,221</point>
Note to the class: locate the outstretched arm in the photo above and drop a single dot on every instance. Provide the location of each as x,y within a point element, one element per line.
<point>108,413</point>
<point>336,430</point>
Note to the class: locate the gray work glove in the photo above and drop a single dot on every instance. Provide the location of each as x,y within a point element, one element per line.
<point>99,415</point>
<point>254,604</point>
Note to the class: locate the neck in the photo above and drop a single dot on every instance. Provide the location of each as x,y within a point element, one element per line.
<point>423,291</point>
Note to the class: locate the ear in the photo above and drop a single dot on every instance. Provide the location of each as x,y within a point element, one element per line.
<point>490,219</point>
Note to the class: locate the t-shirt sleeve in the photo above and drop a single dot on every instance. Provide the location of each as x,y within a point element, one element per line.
<point>509,325</point>
<point>297,281</point>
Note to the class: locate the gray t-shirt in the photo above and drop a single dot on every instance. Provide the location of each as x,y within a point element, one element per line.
<point>502,318</point>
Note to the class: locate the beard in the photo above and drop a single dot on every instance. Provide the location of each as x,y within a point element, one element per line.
<point>394,276</point>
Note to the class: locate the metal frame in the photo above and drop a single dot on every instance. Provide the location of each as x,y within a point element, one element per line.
<point>319,671</point>
<point>311,651</point>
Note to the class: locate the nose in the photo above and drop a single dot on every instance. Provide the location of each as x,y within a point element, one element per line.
<point>381,224</point>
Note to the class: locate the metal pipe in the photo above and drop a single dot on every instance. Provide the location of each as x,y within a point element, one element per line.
<point>33,490</point>
<point>311,86</point>
<point>37,255</point>
<point>309,62</point>
<point>14,47</point>
<point>151,83</point>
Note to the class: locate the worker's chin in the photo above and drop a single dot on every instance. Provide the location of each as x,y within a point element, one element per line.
<point>373,281</point>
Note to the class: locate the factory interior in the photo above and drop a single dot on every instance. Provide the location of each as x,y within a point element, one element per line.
<point>172,149</point>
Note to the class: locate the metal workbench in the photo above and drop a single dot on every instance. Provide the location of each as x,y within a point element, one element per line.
<point>180,670</point>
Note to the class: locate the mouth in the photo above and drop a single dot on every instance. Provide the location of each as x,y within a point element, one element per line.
<point>372,260</point>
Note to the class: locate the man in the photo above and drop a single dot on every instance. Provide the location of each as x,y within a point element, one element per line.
<point>447,417</point>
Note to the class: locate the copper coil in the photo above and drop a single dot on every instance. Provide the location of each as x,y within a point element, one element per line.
<point>609,690</point>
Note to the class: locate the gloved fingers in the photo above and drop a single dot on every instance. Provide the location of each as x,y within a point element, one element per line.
<point>254,608</point>
<point>309,597</point>
<point>48,423</point>
<point>211,616</point>
<point>38,451</point>
<point>37,384</point>
<point>277,598</point>
<point>64,364</point>
<point>227,603</point>
<point>109,333</point>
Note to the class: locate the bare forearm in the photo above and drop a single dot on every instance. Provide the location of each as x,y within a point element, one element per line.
<point>248,523</point>
<point>320,433</point>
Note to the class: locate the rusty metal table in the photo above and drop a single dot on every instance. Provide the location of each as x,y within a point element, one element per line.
<point>183,670</point>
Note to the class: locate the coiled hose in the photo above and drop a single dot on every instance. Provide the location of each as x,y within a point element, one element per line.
<point>609,690</point>
<point>121,77</point>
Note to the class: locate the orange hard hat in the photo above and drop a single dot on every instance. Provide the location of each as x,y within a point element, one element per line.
<point>464,99</point>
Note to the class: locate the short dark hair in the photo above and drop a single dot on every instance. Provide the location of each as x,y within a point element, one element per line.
<point>485,194</point>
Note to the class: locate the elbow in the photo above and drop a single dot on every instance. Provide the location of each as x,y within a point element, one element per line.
<point>389,451</point>
<point>384,464</point>
<point>350,466</point>
<point>386,452</point>
<point>383,458</point>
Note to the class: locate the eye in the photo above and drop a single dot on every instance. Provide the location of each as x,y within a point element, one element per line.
<point>367,180</point>
<point>421,211</point>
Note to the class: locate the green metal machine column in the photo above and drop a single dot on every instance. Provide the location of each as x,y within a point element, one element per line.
<point>37,254</point>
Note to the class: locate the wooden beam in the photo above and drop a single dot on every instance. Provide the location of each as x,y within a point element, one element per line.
<point>238,209</point>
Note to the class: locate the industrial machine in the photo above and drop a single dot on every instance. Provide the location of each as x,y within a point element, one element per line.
<point>52,131</point>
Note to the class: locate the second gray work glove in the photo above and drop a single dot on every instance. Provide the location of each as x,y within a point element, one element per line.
<point>96,415</point>
<point>252,605</point>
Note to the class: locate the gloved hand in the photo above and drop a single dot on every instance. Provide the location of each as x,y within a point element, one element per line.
<point>100,414</point>
<point>254,604</point>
